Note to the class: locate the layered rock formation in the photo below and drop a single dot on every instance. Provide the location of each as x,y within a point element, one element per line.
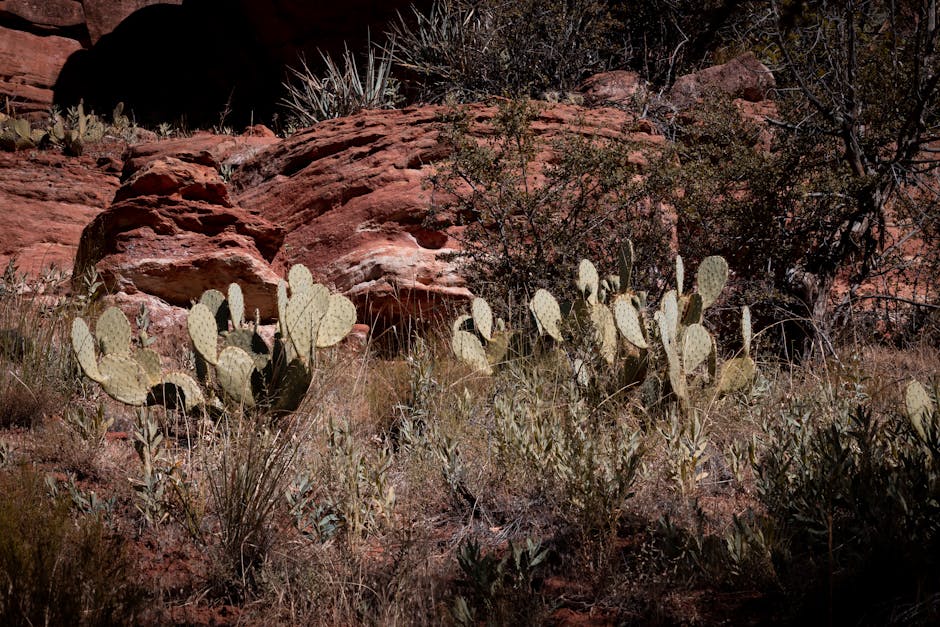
<point>173,232</point>
<point>353,196</point>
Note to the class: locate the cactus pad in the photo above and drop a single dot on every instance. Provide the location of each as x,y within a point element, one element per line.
<point>498,347</point>
<point>691,308</point>
<point>234,372</point>
<point>696,346</point>
<point>292,386</point>
<point>203,331</point>
<point>628,322</point>
<point>460,324</point>
<point>236,304</point>
<point>482,318</point>
<point>919,407</point>
<point>114,332</point>
<point>184,386</point>
<point>605,331</point>
<point>711,278</point>
<point>547,313</point>
<point>746,329</point>
<point>299,278</point>
<point>83,344</point>
<point>337,322</point>
<point>124,379</point>
<point>670,309</point>
<point>282,307</point>
<point>149,360</point>
<point>588,281</point>
<point>680,274</point>
<point>215,301</point>
<point>299,323</point>
<point>736,375</point>
<point>469,350</point>
<point>625,259</point>
<point>252,343</point>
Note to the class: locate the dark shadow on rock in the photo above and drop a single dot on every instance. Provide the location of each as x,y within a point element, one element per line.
<point>193,61</point>
<point>168,63</point>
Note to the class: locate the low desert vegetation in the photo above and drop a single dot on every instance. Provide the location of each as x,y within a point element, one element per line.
<point>603,454</point>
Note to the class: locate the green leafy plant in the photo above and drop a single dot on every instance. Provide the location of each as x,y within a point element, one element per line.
<point>497,589</point>
<point>852,504</point>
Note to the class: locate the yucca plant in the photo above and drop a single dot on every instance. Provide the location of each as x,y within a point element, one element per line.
<point>343,89</point>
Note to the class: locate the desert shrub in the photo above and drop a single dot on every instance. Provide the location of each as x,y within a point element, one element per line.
<point>247,470</point>
<point>343,89</point>
<point>526,228</point>
<point>36,368</point>
<point>852,502</point>
<point>468,50</point>
<point>581,461</point>
<point>55,570</point>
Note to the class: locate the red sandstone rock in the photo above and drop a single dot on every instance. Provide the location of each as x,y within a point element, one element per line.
<point>103,16</point>
<point>172,177</point>
<point>202,148</point>
<point>173,235</point>
<point>743,77</point>
<point>29,67</point>
<point>46,200</point>
<point>45,14</point>
<point>352,196</point>
<point>612,88</point>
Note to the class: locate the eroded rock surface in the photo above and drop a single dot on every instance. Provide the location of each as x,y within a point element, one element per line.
<point>46,200</point>
<point>173,233</point>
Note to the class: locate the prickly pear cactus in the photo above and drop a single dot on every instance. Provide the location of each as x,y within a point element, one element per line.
<point>203,331</point>
<point>547,313</point>
<point>113,331</point>
<point>130,376</point>
<point>920,408</point>
<point>482,315</point>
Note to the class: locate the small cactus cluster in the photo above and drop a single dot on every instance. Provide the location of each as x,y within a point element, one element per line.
<point>478,340</point>
<point>70,132</point>
<point>609,311</point>
<point>129,374</point>
<point>231,356</point>
<point>921,410</point>
<point>18,134</point>
<point>247,370</point>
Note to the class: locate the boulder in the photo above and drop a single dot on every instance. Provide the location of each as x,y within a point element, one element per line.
<point>616,88</point>
<point>743,77</point>
<point>172,177</point>
<point>172,234</point>
<point>29,67</point>
<point>203,148</point>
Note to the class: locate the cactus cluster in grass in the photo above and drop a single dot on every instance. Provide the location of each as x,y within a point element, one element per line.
<point>660,353</point>
<point>244,369</point>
